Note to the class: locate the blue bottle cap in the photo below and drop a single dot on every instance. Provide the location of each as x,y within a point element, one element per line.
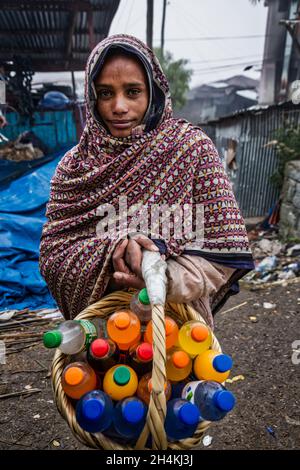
<point>189,413</point>
<point>224,400</point>
<point>133,411</point>
<point>222,363</point>
<point>92,409</point>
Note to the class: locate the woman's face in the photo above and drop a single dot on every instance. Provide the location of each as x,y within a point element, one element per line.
<point>122,93</point>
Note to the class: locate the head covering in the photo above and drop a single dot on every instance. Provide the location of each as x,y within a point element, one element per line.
<point>170,162</point>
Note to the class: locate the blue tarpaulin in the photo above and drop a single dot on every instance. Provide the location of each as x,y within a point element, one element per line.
<point>22,215</point>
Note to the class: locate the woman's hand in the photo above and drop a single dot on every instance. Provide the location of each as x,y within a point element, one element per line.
<point>127,260</point>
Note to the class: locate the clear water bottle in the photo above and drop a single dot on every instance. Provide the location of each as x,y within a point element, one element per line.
<point>129,418</point>
<point>140,305</point>
<point>182,419</point>
<point>211,398</point>
<point>73,336</point>
<point>94,411</point>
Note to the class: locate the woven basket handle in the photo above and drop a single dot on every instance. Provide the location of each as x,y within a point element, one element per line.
<point>154,274</point>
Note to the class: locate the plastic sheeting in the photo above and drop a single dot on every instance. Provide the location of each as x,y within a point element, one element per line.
<point>22,215</point>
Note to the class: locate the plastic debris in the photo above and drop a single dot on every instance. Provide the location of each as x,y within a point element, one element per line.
<point>56,443</point>
<point>36,416</point>
<point>28,387</point>
<point>271,431</point>
<point>207,440</point>
<point>268,263</point>
<point>294,250</point>
<point>253,319</point>
<point>236,378</point>
<point>268,305</point>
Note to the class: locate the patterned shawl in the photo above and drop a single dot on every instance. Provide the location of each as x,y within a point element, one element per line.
<point>174,163</point>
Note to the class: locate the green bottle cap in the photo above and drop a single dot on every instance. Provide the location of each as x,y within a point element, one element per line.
<point>52,339</point>
<point>143,297</point>
<point>122,375</point>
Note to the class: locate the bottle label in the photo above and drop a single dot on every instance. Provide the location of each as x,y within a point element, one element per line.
<point>189,391</point>
<point>90,332</point>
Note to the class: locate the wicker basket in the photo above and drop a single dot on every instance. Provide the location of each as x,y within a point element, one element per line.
<point>157,407</point>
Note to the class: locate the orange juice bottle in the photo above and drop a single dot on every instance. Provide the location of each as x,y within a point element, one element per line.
<point>145,387</point>
<point>194,337</point>
<point>171,332</point>
<point>178,365</point>
<point>212,365</point>
<point>120,382</point>
<point>124,328</point>
<point>77,379</point>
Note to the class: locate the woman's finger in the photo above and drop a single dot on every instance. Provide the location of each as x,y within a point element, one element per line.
<point>118,257</point>
<point>145,242</point>
<point>133,257</point>
<point>129,280</point>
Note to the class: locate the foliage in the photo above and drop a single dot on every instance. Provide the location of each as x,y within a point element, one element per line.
<point>287,144</point>
<point>178,76</point>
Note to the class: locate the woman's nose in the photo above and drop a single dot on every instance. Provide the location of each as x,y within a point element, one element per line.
<point>120,105</point>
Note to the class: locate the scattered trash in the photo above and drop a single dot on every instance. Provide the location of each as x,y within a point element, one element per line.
<point>253,319</point>
<point>207,440</point>
<point>267,264</point>
<point>294,422</point>
<point>28,387</point>
<point>36,417</point>
<point>271,431</point>
<point>4,316</point>
<point>294,251</point>
<point>235,379</point>
<point>56,443</point>
<point>268,305</point>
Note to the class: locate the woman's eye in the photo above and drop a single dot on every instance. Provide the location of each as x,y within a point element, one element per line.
<point>134,92</point>
<point>103,93</point>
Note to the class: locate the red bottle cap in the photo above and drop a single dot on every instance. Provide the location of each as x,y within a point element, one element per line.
<point>144,352</point>
<point>99,347</point>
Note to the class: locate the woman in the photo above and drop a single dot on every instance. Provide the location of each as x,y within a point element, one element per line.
<point>132,146</point>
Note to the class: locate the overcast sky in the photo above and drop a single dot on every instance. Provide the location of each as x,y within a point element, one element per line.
<point>213,35</point>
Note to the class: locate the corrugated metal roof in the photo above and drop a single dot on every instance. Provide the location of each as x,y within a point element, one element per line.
<point>55,35</point>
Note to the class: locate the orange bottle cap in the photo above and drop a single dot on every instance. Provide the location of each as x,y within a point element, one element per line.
<point>169,326</point>
<point>180,359</point>
<point>73,376</point>
<point>199,333</point>
<point>122,320</point>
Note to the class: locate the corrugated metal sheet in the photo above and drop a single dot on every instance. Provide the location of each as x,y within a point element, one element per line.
<point>55,128</point>
<point>256,162</point>
<point>54,34</point>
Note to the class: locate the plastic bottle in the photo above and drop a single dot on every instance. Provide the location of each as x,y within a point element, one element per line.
<point>178,365</point>
<point>77,379</point>
<point>94,411</point>
<point>120,382</point>
<point>194,337</point>
<point>140,305</point>
<point>212,365</point>
<point>73,336</point>
<point>211,398</point>
<point>182,419</point>
<point>124,328</point>
<point>103,354</point>
<point>145,386</point>
<point>140,358</point>
<point>171,332</point>
<point>129,417</point>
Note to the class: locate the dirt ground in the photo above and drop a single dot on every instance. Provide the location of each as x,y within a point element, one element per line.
<point>267,415</point>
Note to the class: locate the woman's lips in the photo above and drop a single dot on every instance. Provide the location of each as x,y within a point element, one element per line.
<point>121,124</point>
